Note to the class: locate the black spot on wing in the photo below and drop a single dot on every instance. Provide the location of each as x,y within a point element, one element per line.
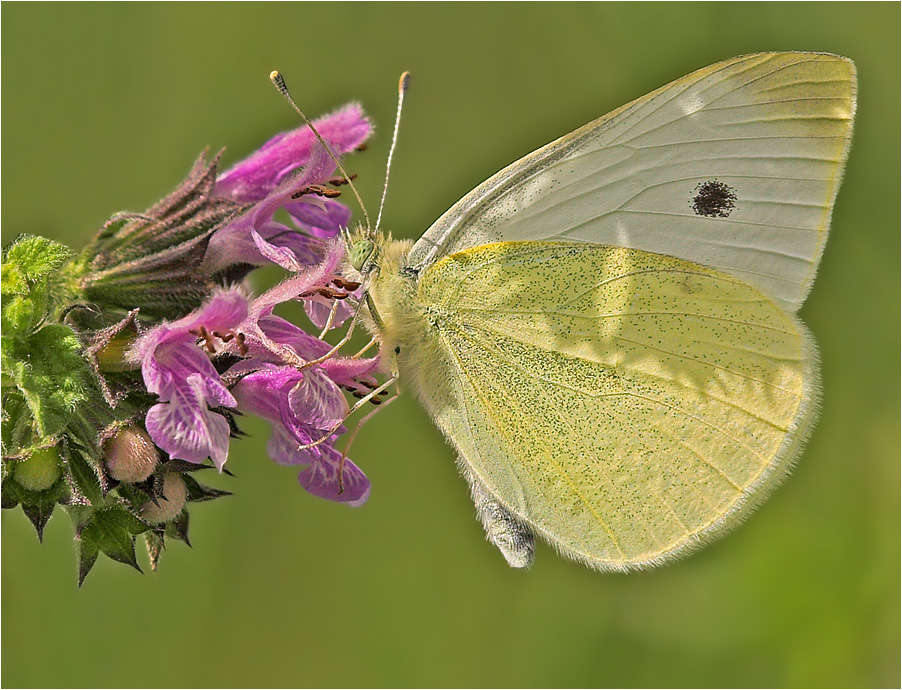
<point>713,199</point>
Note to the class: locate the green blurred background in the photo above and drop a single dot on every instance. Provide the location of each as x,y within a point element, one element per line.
<point>106,107</point>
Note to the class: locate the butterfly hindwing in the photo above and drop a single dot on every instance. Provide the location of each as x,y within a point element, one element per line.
<point>624,405</point>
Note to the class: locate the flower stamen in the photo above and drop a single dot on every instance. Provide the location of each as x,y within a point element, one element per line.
<point>339,181</point>
<point>209,343</point>
<point>348,285</point>
<point>327,292</point>
<point>317,189</point>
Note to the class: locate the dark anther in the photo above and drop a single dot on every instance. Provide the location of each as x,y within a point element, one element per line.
<point>348,285</point>
<point>317,189</point>
<point>362,147</point>
<point>224,337</point>
<point>201,332</point>
<point>327,292</point>
<point>339,181</point>
<point>239,340</point>
<point>397,349</point>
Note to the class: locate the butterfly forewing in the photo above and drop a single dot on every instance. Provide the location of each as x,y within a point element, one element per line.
<point>625,405</point>
<point>735,166</point>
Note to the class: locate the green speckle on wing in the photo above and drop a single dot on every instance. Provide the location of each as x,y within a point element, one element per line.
<point>625,404</point>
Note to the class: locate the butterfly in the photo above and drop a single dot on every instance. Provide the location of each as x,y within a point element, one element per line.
<point>606,330</point>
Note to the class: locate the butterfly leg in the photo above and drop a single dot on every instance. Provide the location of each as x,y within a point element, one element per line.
<point>330,319</point>
<point>365,399</point>
<point>341,343</point>
<point>363,420</point>
<point>363,351</point>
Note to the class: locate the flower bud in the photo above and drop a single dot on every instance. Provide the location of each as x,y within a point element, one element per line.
<point>130,455</point>
<point>170,503</point>
<point>39,471</point>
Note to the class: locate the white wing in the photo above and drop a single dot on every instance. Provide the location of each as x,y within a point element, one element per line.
<point>735,166</point>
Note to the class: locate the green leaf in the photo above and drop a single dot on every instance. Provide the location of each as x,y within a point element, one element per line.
<point>135,495</point>
<point>38,506</point>
<point>9,498</point>
<point>155,545</point>
<point>30,272</point>
<point>84,476</point>
<point>12,280</point>
<point>39,514</point>
<point>21,314</point>
<point>198,492</point>
<point>110,531</point>
<point>18,426</point>
<point>87,556</point>
<point>50,372</point>
<point>177,528</point>
<point>30,260</point>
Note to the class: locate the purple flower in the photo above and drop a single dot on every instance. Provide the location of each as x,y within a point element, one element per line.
<point>181,374</point>
<point>253,178</point>
<point>304,404</point>
<point>268,179</point>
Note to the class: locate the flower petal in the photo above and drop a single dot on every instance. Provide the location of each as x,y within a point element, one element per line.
<point>237,243</point>
<point>283,448</point>
<point>222,311</point>
<point>260,392</point>
<point>310,277</point>
<point>253,178</point>
<point>280,256</point>
<point>323,220</point>
<point>187,429</point>
<point>322,479</point>
<point>169,353</point>
<point>286,333</point>
<point>317,401</point>
<point>345,370</point>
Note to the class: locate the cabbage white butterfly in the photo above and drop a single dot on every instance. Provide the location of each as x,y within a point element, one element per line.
<point>606,330</point>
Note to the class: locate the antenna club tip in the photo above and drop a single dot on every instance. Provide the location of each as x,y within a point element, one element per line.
<point>404,82</point>
<point>276,77</point>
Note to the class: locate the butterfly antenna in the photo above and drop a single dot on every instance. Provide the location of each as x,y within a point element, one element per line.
<point>279,82</point>
<point>403,83</point>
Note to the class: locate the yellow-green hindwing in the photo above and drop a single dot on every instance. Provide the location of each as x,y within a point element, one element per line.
<point>625,405</point>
